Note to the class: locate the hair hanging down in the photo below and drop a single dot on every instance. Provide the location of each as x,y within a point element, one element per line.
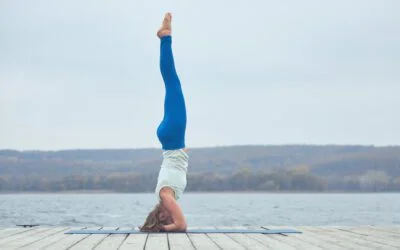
<point>152,222</point>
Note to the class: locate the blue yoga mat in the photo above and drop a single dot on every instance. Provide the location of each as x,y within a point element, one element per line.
<point>193,231</point>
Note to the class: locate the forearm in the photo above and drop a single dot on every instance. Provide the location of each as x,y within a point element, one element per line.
<point>174,227</point>
<point>170,204</point>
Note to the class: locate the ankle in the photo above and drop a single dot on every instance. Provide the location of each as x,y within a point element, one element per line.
<point>163,33</point>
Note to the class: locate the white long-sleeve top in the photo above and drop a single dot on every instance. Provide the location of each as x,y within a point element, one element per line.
<point>173,172</point>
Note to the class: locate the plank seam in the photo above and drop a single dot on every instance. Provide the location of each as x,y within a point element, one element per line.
<point>371,239</point>
<point>191,242</point>
<point>169,247</point>
<point>12,234</point>
<point>10,240</point>
<point>236,241</point>
<point>262,243</point>
<point>145,242</point>
<point>345,230</point>
<point>279,240</point>
<point>51,243</point>
<point>122,242</point>
<point>314,242</point>
<point>248,236</point>
<point>331,239</point>
<point>213,241</point>
<point>30,243</point>
<point>100,241</point>
<point>286,235</point>
<point>293,244</point>
<point>77,242</point>
<point>385,231</point>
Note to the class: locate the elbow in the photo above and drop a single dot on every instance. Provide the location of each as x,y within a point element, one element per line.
<point>182,227</point>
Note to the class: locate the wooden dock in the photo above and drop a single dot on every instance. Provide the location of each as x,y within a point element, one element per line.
<point>365,237</point>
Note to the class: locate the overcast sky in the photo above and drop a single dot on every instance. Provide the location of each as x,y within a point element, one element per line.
<point>84,74</point>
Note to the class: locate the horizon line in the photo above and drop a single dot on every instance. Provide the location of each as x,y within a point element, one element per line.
<point>208,147</point>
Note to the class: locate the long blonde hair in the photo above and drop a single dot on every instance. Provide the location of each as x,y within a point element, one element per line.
<point>152,222</point>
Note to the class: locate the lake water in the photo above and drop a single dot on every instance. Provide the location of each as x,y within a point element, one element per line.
<point>203,209</point>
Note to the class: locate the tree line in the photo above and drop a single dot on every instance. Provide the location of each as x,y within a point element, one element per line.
<point>232,168</point>
<point>298,180</point>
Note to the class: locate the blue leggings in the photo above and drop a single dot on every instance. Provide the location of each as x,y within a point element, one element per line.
<point>171,131</point>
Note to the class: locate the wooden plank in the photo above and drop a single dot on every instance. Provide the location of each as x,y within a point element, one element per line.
<point>134,241</point>
<point>179,242</point>
<point>370,240</point>
<point>341,238</point>
<point>393,230</point>
<point>323,234</point>
<point>271,243</point>
<point>375,232</point>
<point>329,239</point>
<point>111,242</point>
<point>292,241</point>
<point>315,241</point>
<point>13,230</point>
<point>224,241</point>
<point>8,240</point>
<point>375,240</point>
<point>69,241</point>
<point>295,242</point>
<point>46,241</point>
<point>312,238</point>
<point>7,231</point>
<point>28,240</point>
<point>321,244</point>
<point>352,242</point>
<point>202,241</point>
<point>246,241</point>
<point>91,241</point>
<point>157,241</point>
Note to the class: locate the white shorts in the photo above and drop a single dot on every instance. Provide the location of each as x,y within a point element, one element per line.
<point>173,172</point>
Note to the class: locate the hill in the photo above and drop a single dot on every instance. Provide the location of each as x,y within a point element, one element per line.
<point>290,167</point>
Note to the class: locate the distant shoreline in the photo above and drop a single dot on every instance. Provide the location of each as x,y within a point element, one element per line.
<point>38,150</point>
<point>271,169</point>
<point>197,192</point>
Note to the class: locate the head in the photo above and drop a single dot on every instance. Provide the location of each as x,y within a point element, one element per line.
<point>158,217</point>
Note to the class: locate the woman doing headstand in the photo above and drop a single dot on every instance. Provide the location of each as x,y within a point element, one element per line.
<point>167,214</point>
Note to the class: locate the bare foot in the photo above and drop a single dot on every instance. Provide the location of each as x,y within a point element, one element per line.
<point>165,29</point>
